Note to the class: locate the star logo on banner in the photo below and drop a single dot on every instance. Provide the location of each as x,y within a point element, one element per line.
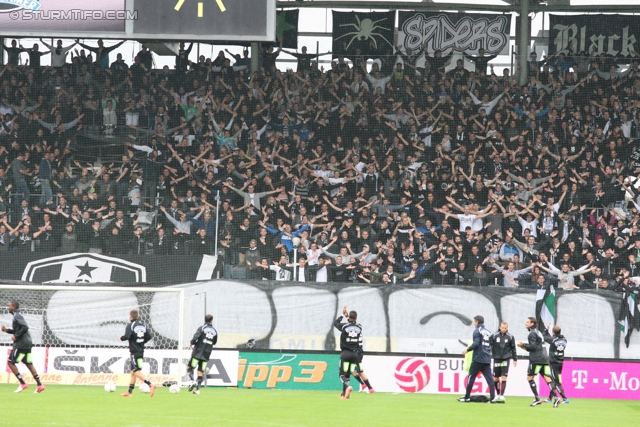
<point>282,26</point>
<point>85,270</point>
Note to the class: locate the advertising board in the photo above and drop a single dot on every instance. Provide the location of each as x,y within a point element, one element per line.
<point>289,371</point>
<point>97,366</point>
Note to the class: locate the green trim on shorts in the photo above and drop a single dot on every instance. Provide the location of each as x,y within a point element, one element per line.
<point>198,364</point>
<point>546,370</point>
<point>24,357</point>
<point>560,379</point>
<point>349,367</point>
<point>139,361</point>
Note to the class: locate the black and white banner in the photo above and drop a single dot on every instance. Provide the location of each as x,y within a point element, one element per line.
<point>441,31</point>
<point>98,268</point>
<point>299,316</point>
<point>372,33</point>
<point>614,35</point>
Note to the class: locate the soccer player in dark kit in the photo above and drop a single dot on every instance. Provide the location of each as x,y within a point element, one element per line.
<point>503,349</point>
<point>538,360</point>
<point>138,335</point>
<point>557,345</point>
<point>202,342</point>
<point>481,361</point>
<point>350,343</point>
<point>365,385</point>
<point>21,351</point>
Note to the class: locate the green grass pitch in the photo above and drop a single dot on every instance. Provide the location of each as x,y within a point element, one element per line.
<point>92,406</point>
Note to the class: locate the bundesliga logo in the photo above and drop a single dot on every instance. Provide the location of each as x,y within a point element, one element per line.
<point>412,375</point>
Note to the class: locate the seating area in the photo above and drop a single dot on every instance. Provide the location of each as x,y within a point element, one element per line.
<point>374,172</point>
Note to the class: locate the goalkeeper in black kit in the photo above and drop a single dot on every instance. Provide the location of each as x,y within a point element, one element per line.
<point>138,335</point>
<point>350,344</point>
<point>557,345</point>
<point>538,360</point>
<point>21,351</point>
<point>202,342</point>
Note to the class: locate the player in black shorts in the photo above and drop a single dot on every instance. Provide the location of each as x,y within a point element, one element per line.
<point>538,360</point>
<point>557,345</point>
<point>202,342</point>
<point>361,377</point>
<point>21,351</point>
<point>137,334</point>
<point>503,349</point>
<point>350,344</point>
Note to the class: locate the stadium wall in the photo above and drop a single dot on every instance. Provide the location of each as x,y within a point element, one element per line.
<point>415,319</point>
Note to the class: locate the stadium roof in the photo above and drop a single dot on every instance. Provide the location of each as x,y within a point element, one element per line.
<point>629,6</point>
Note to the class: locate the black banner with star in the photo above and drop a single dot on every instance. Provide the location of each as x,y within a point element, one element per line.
<point>372,33</point>
<point>98,268</point>
<point>287,28</point>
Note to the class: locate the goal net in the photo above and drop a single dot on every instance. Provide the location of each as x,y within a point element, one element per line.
<point>76,332</point>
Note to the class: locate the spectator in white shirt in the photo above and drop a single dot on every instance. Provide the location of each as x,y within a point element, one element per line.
<point>466,218</point>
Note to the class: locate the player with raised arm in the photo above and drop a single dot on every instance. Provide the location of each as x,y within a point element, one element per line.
<point>202,342</point>
<point>21,351</point>
<point>503,349</point>
<point>350,343</point>
<point>361,377</point>
<point>557,345</point>
<point>538,360</point>
<point>138,335</point>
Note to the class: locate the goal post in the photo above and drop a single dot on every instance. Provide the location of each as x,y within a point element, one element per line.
<point>76,332</point>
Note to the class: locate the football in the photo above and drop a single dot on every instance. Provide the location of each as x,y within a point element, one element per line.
<point>109,387</point>
<point>144,388</point>
<point>174,389</point>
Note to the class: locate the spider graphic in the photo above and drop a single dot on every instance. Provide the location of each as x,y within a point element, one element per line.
<point>364,30</point>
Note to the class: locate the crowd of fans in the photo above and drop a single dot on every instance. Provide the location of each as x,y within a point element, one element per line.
<point>395,171</point>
